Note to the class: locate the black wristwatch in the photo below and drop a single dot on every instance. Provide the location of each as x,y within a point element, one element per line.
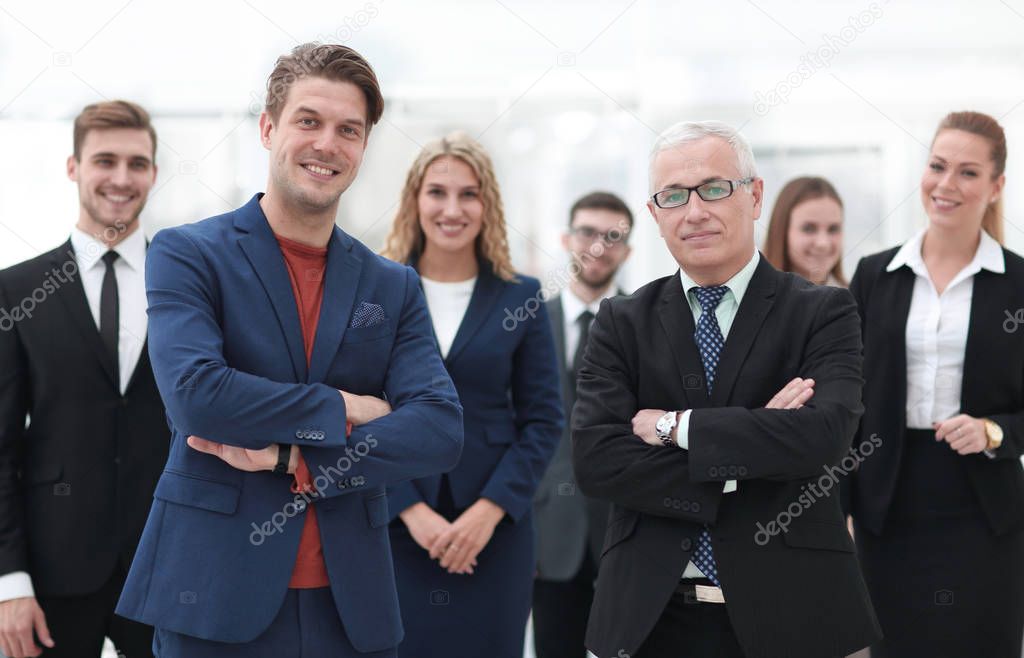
<point>284,453</point>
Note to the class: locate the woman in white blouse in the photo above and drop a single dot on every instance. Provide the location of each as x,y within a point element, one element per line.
<point>938,498</point>
<point>463,541</point>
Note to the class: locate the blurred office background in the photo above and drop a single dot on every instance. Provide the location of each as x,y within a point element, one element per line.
<point>567,96</point>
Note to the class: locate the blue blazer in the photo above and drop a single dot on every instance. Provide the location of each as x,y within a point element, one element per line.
<point>503,363</point>
<point>219,546</point>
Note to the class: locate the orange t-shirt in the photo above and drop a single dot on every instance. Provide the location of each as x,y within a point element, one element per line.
<point>306,269</point>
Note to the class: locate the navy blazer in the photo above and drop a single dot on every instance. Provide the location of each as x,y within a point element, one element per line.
<point>504,367</point>
<point>219,547</point>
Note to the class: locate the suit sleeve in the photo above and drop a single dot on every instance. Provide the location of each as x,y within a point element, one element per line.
<point>848,481</point>
<point>14,404</point>
<point>202,394</point>
<point>791,444</point>
<point>422,435</point>
<point>611,462</point>
<point>537,399</point>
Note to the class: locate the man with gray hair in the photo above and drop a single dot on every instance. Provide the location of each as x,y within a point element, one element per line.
<point>714,408</point>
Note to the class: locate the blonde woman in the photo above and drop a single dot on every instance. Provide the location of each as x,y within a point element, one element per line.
<point>463,542</point>
<point>936,503</point>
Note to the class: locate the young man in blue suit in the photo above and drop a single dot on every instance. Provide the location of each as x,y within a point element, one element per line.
<point>300,376</point>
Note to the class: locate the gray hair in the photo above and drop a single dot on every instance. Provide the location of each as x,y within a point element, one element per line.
<point>686,132</point>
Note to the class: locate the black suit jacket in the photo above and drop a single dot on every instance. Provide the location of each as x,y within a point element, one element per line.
<point>795,593</point>
<point>568,523</point>
<point>76,483</point>
<point>993,387</point>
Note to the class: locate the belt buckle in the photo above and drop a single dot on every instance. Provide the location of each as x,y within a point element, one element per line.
<point>708,594</point>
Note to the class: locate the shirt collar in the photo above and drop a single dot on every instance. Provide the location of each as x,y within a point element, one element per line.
<point>988,256</point>
<point>737,284</point>
<point>572,305</point>
<point>89,250</point>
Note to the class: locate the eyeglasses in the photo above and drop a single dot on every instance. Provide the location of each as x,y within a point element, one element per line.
<point>715,190</point>
<point>612,238</point>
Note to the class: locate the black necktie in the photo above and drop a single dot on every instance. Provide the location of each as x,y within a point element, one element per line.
<point>109,315</point>
<point>583,322</point>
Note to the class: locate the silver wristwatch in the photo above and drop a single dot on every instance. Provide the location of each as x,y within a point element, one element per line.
<point>665,426</point>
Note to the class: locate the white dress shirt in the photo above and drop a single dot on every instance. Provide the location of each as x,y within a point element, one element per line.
<point>936,333</point>
<point>572,308</point>
<point>129,269</point>
<point>447,303</point>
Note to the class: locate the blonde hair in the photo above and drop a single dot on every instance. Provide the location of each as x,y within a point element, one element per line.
<point>405,240</point>
<point>985,126</point>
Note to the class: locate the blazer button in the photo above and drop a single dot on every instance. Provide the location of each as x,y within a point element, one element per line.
<point>713,471</point>
<point>695,507</point>
<point>686,506</point>
<point>741,471</point>
<point>686,544</point>
<point>298,435</point>
<point>733,471</point>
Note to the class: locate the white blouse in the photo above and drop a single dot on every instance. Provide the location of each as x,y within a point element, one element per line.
<point>447,303</point>
<point>936,334</point>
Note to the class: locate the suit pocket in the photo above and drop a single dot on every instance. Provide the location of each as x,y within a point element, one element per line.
<point>376,510</point>
<point>363,334</point>
<point>184,489</point>
<point>620,528</point>
<point>823,535</point>
<point>43,473</point>
<point>500,433</point>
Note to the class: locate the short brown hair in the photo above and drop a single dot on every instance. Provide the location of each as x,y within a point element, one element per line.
<point>108,115</point>
<point>793,193</point>
<point>601,201</point>
<point>330,61</point>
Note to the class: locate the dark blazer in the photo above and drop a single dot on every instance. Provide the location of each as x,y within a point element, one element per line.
<point>568,523</point>
<point>220,544</point>
<point>503,364</point>
<point>993,387</point>
<point>76,484</point>
<point>799,594</point>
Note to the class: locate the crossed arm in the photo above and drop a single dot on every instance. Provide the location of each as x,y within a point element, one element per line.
<point>614,450</point>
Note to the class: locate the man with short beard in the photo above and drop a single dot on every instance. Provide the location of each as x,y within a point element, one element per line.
<point>276,339</point>
<point>77,481</point>
<point>570,526</point>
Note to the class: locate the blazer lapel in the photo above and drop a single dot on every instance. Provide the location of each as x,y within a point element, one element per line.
<point>984,331</point>
<point>73,297</point>
<point>754,307</point>
<point>896,303</point>
<point>264,255</point>
<point>341,281</point>
<point>677,321</point>
<point>485,294</point>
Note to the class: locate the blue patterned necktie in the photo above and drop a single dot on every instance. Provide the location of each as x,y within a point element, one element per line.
<point>708,337</point>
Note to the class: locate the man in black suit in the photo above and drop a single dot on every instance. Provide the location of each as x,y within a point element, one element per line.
<point>711,406</point>
<point>570,526</point>
<point>77,479</point>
